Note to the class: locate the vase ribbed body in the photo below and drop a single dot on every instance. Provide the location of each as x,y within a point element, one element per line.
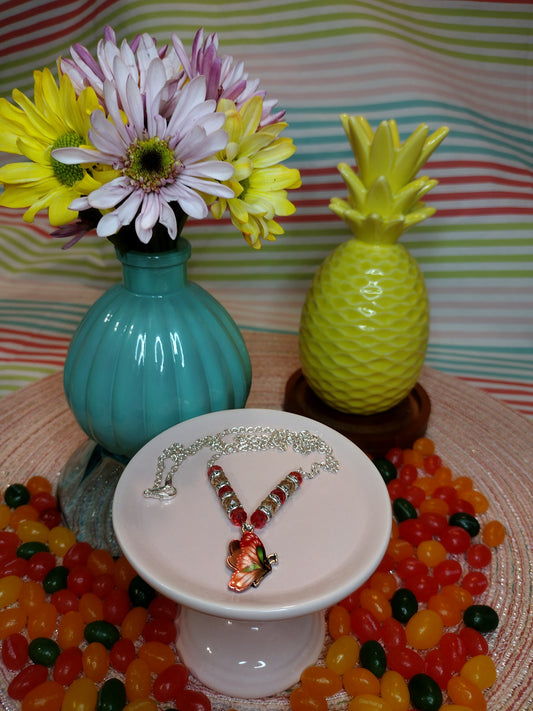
<point>153,351</point>
<point>364,327</point>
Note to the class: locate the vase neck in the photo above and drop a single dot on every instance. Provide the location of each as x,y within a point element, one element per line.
<point>158,273</point>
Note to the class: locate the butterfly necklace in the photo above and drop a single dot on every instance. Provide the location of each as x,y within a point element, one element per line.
<point>246,557</point>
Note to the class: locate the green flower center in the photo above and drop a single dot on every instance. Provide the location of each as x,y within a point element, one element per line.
<point>67,174</point>
<point>150,163</point>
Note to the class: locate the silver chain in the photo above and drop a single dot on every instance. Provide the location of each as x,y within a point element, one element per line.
<point>241,439</point>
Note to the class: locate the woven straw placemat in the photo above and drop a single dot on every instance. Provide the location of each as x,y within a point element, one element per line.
<point>474,434</point>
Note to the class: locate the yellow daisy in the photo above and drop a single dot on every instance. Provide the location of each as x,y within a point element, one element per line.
<point>259,183</point>
<point>57,118</point>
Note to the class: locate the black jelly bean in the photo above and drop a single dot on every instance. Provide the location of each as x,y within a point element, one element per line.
<point>103,632</point>
<point>372,657</point>
<point>55,579</point>
<point>16,495</point>
<point>386,468</point>
<point>466,521</point>
<point>424,692</point>
<point>404,605</point>
<point>482,618</point>
<point>140,592</point>
<point>403,509</point>
<point>28,549</point>
<point>44,651</point>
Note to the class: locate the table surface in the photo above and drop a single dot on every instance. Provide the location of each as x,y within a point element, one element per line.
<point>475,435</point>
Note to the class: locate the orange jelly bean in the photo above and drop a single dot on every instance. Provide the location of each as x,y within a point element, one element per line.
<point>37,484</point>
<point>393,689</point>
<point>100,562</point>
<point>338,621</point>
<point>424,445</point>
<point>464,692</point>
<point>301,699</point>
<point>5,515</point>
<point>493,533</point>
<point>91,607</point>
<point>70,629</point>
<point>158,656</point>
<point>359,680</point>
<point>138,680</point>
<point>26,512</point>
<point>384,582</point>
<point>31,595</point>
<point>42,620</point>
<point>29,530</point>
<point>12,620</point>
<point>123,573</point>
<point>431,553</point>
<point>133,623</point>
<point>424,629</point>
<point>95,660</point>
<point>48,696</point>
<point>411,456</point>
<point>375,602</point>
<point>321,681</point>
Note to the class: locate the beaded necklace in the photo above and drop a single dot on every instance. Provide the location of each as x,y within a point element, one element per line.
<point>246,557</point>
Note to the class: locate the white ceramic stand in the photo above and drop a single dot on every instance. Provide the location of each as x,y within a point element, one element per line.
<point>329,538</point>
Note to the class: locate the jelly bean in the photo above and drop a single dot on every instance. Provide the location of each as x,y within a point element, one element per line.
<point>95,661</point>
<point>455,539</point>
<point>404,605</point>
<point>121,654</point>
<point>466,521</point>
<point>158,656</point>
<point>437,667</point>
<point>192,700</point>
<point>71,629</point>
<point>376,603</point>
<point>82,695</point>
<point>385,582</point>
<point>432,462</point>
<point>394,689</point>
<point>50,517</point>
<point>112,695</point>
<point>103,584</point>
<point>5,514</point>
<point>91,607</point>
<point>424,445</point>
<point>162,606</point>
<point>100,562</point>
<point>359,680</point>
<point>138,680</point>
<point>478,500</point>
<point>43,650</point>
<point>403,509</point>
<point>9,542</point>
<point>415,494</point>
<point>411,566</point>
<point>342,654</point>
<point>434,505</point>
<point>399,549</point>
<point>302,700</point>
<point>461,596</point>
<point>414,457</point>
<point>40,565</point>
<point>55,579</point>
<point>448,572</point>
<point>424,629</point>
<point>338,621</point>
<point>392,633</point>
<point>60,540</point>
<point>405,661</point>
<point>30,548</point>
<point>16,495</point>
<point>368,702</point>
<point>364,625</point>
<point>482,618</point>
<point>395,455</point>
<point>23,513</point>
<point>115,606</point>
<point>64,601</point>
<point>134,622</point>
<point>464,692</point>
<point>442,476</point>
<point>474,642</point>
<point>12,620</point>
<point>436,522</point>
<point>31,595</point>
<point>423,586</point>
<point>38,483</point>
<point>408,474</point>
<point>479,555</point>
<point>27,679</point>
<point>10,588</point>
<point>103,632</point>
<point>413,531</point>
<point>140,592</point>
<point>447,607</point>
<point>160,630</point>
<point>372,657</point>
<point>386,468</point>
<point>493,533</point>
<point>431,553</point>
<point>79,579</point>
<point>14,566</point>
<point>425,693</point>
<point>68,666</point>
<point>453,650</point>
<point>77,555</point>
<point>480,670</point>
<point>42,620</point>
<point>42,500</point>
<point>48,696</point>
<point>15,651</point>
<point>170,682</point>
<point>321,681</point>
<point>123,573</point>
<point>396,489</point>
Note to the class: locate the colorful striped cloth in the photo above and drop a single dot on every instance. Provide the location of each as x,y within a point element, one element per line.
<point>467,65</point>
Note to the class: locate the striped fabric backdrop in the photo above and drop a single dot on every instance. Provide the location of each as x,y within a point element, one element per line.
<point>467,65</point>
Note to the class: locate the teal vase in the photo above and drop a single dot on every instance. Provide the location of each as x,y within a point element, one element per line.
<point>151,352</point>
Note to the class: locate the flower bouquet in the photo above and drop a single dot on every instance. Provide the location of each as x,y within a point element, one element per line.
<point>143,137</point>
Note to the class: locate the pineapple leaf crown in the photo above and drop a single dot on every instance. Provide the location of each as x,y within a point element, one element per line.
<point>384,197</point>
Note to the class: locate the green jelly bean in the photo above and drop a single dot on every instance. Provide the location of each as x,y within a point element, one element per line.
<point>140,592</point>
<point>425,693</point>
<point>112,696</point>
<point>55,579</point>
<point>466,521</point>
<point>403,509</point>
<point>44,651</point>
<point>482,618</point>
<point>103,632</point>
<point>16,495</point>
<point>30,548</point>
<point>386,468</point>
<point>404,605</point>
<point>372,657</point>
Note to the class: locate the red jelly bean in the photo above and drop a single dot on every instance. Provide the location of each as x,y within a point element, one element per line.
<point>170,683</point>
<point>162,606</point>
<point>364,625</point>
<point>192,700</point>
<point>448,572</point>
<point>121,655</point>
<point>79,580</point>
<point>392,634</point>
<point>161,629</point>
<point>26,680</point>
<point>453,649</point>
<point>437,667</point>
<point>455,539</point>
<point>405,661</point>
<point>64,601</point>
<point>479,555</point>
<point>116,605</point>
<point>15,651</point>
<point>43,500</point>
<point>78,554</point>
<point>474,642</point>
<point>40,564</point>
<point>475,582</point>
<point>68,666</point>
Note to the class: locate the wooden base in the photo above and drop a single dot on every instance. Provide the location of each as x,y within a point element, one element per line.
<point>374,434</point>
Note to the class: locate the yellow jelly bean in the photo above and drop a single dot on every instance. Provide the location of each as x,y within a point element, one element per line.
<point>394,689</point>
<point>60,540</point>
<point>10,587</point>
<point>369,702</point>
<point>33,531</point>
<point>480,670</point>
<point>81,695</point>
<point>342,654</point>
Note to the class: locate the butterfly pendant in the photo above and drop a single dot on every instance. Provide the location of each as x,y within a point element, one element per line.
<point>248,559</point>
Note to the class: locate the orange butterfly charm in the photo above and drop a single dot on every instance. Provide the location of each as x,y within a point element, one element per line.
<point>248,559</point>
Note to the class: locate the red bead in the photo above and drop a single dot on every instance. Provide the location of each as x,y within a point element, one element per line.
<point>280,494</point>
<point>238,516</point>
<point>258,519</point>
<point>226,489</point>
<point>298,477</point>
<point>212,470</point>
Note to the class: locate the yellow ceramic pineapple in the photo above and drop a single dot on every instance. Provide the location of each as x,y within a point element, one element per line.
<point>365,322</point>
